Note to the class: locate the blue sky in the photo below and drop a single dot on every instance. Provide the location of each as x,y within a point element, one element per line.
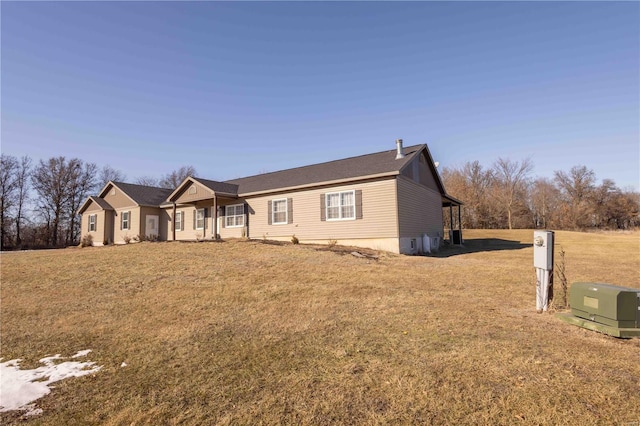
<point>236,89</point>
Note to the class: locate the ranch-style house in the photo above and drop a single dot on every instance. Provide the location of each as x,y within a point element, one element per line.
<point>391,200</point>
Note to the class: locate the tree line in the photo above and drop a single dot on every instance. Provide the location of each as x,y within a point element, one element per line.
<point>505,195</point>
<point>39,201</point>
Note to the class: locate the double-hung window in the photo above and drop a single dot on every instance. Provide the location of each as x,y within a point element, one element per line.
<point>125,218</point>
<point>340,205</point>
<point>279,211</point>
<point>179,221</point>
<point>234,216</point>
<point>200,219</point>
<point>92,222</point>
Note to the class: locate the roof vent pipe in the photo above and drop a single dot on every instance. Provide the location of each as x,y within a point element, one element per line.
<point>400,154</point>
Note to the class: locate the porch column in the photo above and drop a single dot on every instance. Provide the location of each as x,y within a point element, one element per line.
<point>451,223</point>
<point>173,222</point>
<point>215,217</point>
<point>460,221</point>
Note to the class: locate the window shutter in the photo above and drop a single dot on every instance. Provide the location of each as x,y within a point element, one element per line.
<point>121,214</point>
<point>89,224</point>
<point>224,218</point>
<point>205,217</point>
<point>194,219</point>
<point>270,213</point>
<point>289,210</point>
<point>358,204</point>
<point>246,215</point>
<point>323,207</point>
<point>129,219</point>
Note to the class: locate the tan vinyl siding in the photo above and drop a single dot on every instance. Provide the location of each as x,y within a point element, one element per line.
<point>99,235</point>
<point>102,232</point>
<point>119,200</point>
<point>232,232</point>
<point>419,209</point>
<point>189,233</point>
<point>379,214</point>
<point>162,217</point>
<point>92,208</point>
<point>420,172</point>
<point>201,193</point>
<point>134,225</point>
<point>165,228</point>
<point>108,226</point>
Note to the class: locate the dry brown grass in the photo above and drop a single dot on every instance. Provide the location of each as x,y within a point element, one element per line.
<point>244,332</point>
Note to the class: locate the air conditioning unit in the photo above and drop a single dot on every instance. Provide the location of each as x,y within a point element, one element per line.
<point>606,308</point>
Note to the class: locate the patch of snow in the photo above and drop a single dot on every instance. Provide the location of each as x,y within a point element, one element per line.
<point>124,364</point>
<point>31,410</point>
<point>19,388</point>
<point>81,353</point>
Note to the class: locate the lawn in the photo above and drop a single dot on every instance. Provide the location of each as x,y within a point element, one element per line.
<point>243,332</point>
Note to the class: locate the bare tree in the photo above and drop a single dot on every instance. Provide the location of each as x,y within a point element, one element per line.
<point>576,188</point>
<point>544,201</point>
<point>479,186</point>
<point>613,208</point>
<point>22,177</point>
<point>510,180</point>
<point>82,183</point>
<point>108,173</point>
<point>59,185</point>
<point>175,178</point>
<point>50,181</point>
<point>8,184</point>
<point>147,181</point>
<point>473,184</point>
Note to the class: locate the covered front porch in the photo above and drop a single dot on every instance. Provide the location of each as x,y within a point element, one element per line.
<point>201,209</point>
<point>449,204</point>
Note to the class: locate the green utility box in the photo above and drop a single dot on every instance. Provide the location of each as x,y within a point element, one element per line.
<point>606,308</point>
<point>606,304</point>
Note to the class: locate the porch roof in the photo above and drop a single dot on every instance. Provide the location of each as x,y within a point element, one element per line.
<point>449,201</point>
<point>218,189</point>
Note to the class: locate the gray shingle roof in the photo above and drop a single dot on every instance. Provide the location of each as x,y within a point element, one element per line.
<point>218,187</point>
<point>101,202</point>
<point>144,195</point>
<point>354,167</point>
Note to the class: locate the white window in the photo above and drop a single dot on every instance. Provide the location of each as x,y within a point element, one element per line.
<point>92,222</point>
<point>341,205</point>
<point>125,220</point>
<point>234,216</point>
<point>200,219</point>
<point>179,221</point>
<point>279,211</point>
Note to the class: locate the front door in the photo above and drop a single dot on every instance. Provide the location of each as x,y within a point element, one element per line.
<point>152,231</point>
